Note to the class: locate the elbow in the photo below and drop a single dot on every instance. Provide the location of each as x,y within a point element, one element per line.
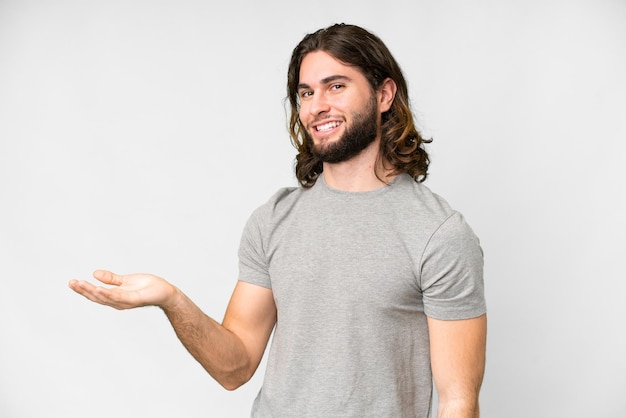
<point>233,384</point>
<point>234,380</point>
<point>231,387</point>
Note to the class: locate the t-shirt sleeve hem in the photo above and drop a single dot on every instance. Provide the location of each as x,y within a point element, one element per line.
<point>453,315</point>
<point>256,281</point>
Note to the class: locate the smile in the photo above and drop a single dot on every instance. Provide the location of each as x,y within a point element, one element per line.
<point>327,126</point>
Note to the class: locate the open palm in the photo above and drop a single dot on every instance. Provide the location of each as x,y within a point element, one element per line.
<point>125,291</point>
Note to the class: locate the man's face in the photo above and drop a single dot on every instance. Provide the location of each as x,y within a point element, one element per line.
<point>338,108</point>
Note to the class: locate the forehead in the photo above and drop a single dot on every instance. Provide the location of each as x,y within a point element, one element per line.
<point>319,65</point>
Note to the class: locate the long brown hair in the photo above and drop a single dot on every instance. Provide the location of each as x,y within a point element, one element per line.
<point>402,146</point>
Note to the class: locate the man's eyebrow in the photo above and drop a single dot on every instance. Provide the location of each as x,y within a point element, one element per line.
<point>326,80</point>
<point>337,77</point>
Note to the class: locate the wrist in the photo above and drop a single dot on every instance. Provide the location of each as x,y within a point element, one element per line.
<point>173,299</point>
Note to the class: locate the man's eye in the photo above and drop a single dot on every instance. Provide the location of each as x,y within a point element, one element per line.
<point>336,86</point>
<point>304,94</point>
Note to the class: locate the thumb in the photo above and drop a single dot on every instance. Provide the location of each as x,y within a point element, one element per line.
<point>108,277</point>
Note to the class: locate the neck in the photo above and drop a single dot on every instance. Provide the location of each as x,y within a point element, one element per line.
<point>359,174</point>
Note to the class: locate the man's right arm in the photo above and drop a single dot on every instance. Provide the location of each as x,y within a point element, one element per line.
<point>230,352</point>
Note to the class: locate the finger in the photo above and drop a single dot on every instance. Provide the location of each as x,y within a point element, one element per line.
<point>98,294</point>
<point>108,277</point>
<point>85,289</point>
<point>80,286</point>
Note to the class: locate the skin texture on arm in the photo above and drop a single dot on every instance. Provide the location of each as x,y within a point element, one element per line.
<point>457,350</point>
<point>230,352</point>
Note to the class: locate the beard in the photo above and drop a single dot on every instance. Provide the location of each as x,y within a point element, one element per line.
<point>358,136</point>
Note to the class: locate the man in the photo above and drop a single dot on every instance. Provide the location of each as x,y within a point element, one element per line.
<point>371,284</point>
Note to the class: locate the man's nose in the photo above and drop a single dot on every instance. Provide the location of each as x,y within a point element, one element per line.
<point>319,105</point>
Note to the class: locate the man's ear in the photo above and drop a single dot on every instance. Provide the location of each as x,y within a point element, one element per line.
<point>386,95</point>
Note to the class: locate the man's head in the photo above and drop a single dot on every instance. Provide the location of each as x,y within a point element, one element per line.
<point>338,108</point>
<point>401,147</point>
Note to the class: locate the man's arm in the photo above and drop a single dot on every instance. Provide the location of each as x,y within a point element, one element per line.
<point>457,351</point>
<point>230,352</point>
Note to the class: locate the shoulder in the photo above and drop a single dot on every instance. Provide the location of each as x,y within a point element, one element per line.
<point>422,204</point>
<point>266,217</point>
<point>276,207</point>
<point>444,229</point>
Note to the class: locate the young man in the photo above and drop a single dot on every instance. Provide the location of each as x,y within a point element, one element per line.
<point>370,282</point>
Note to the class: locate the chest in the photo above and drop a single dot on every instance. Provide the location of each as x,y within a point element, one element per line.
<point>364,261</point>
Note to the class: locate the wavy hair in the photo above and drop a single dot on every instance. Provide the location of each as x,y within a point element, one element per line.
<point>402,146</point>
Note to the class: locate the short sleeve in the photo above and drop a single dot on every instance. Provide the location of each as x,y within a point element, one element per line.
<point>452,272</point>
<point>253,265</point>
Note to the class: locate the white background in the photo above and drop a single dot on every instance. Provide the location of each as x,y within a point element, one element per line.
<point>139,135</point>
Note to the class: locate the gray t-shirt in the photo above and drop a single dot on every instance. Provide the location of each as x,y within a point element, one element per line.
<point>354,276</point>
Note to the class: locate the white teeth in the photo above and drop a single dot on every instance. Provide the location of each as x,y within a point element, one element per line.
<point>327,126</point>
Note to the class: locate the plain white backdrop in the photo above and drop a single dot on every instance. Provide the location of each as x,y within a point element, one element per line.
<point>139,135</point>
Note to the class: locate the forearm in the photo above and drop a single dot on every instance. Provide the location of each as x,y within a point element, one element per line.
<point>458,362</point>
<point>230,352</point>
<point>221,353</point>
